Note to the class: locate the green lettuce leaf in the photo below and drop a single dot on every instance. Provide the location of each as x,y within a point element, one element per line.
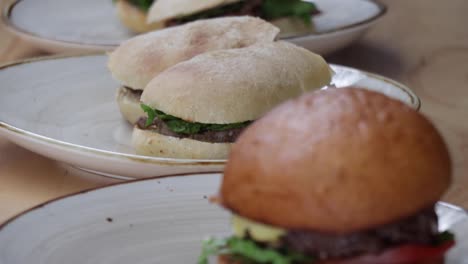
<point>273,9</point>
<point>150,113</point>
<point>270,9</point>
<point>181,126</point>
<point>444,237</point>
<point>249,252</point>
<point>143,5</point>
<point>212,247</point>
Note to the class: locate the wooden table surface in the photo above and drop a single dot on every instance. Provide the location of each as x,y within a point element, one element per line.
<point>421,43</point>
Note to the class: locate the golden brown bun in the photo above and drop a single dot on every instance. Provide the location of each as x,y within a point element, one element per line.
<point>236,85</point>
<point>134,18</point>
<point>129,106</point>
<point>149,143</point>
<point>138,60</point>
<point>337,161</point>
<point>163,10</point>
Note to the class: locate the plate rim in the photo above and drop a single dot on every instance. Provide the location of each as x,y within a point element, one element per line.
<point>22,213</point>
<point>11,219</point>
<point>56,45</point>
<point>63,44</point>
<point>90,150</point>
<point>415,100</point>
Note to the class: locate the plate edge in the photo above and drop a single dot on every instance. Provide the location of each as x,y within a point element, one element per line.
<point>147,159</point>
<point>6,13</point>
<point>92,189</point>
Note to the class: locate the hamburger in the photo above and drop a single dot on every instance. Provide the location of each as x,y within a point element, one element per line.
<point>138,60</point>
<point>197,108</point>
<point>292,16</point>
<point>133,15</point>
<point>341,176</point>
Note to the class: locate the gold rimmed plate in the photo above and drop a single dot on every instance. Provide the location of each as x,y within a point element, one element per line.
<point>89,25</point>
<point>64,108</point>
<point>148,221</point>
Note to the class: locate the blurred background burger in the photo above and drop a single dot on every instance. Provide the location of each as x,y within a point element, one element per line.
<point>293,17</point>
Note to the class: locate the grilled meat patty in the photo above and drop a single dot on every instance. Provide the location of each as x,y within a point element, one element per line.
<point>418,229</point>
<point>225,136</point>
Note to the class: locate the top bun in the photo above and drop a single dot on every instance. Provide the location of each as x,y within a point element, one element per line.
<point>163,10</point>
<point>236,85</point>
<point>336,161</point>
<point>136,61</point>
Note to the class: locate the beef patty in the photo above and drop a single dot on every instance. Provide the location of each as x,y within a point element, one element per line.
<point>225,136</point>
<point>418,229</point>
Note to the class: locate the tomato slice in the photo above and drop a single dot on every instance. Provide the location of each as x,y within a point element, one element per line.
<point>401,255</point>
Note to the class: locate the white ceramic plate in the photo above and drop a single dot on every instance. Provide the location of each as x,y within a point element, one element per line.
<point>64,108</point>
<point>77,25</point>
<point>151,221</point>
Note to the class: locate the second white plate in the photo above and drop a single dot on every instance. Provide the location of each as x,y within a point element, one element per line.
<point>64,108</point>
<point>79,25</point>
<point>146,222</point>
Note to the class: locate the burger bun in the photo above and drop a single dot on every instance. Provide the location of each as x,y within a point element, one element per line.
<point>134,18</point>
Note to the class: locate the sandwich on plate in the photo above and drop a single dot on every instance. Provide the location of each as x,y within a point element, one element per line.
<point>138,60</point>
<point>338,176</point>
<point>292,16</point>
<point>197,108</point>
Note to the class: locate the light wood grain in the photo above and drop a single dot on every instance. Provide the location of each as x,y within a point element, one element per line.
<point>425,45</point>
<point>13,48</point>
<point>421,43</point>
<point>27,179</point>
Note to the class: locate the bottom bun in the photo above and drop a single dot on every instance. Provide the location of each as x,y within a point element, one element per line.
<point>129,105</point>
<point>134,18</point>
<point>293,27</point>
<point>154,144</point>
<point>226,259</point>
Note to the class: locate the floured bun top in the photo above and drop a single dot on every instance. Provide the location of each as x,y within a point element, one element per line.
<point>236,85</point>
<point>138,60</point>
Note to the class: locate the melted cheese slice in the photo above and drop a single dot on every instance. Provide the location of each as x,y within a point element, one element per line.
<point>258,231</point>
